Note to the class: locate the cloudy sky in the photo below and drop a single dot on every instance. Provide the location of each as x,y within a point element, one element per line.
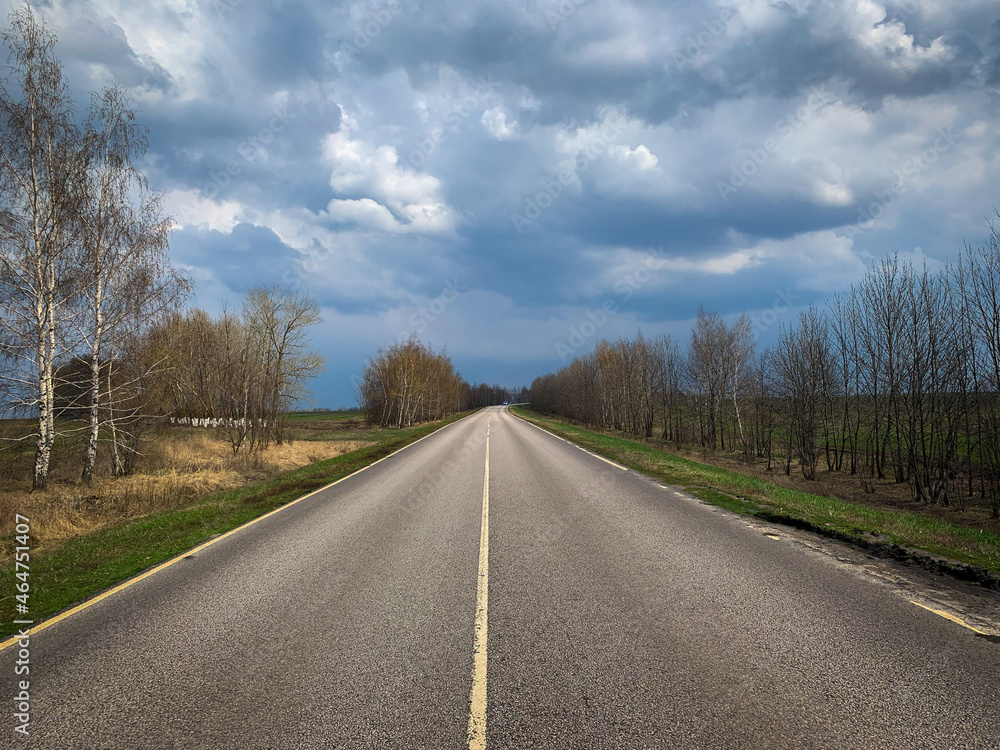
<point>518,178</point>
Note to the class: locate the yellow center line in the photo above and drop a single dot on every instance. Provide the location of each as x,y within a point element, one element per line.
<point>477,697</point>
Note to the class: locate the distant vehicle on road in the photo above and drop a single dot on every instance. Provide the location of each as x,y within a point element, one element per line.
<point>504,403</point>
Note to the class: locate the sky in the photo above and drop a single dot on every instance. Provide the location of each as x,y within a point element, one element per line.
<point>516,180</point>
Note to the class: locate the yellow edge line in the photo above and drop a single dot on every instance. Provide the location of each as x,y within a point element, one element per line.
<point>477,696</point>
<point>132,581</point>
<point>949,616</point>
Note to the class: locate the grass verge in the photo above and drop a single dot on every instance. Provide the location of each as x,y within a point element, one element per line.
<point>968,553</point>
<point>86,565</point>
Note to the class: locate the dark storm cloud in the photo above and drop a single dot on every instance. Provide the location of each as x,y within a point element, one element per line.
<point>796,51</point>
<point>430,125</point>
<point>105,44</point>
<point>285,45</point>
<point>245,257</point>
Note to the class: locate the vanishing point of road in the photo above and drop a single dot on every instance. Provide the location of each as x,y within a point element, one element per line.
<point>493,586</point>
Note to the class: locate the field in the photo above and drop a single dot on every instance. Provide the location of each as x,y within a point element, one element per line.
<point>340,415</point>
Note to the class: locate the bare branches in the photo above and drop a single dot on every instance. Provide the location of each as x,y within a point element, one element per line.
<point>898,381</point>
<point>407,383</point>
<point>240,373</point>
<point>126,280</point>
<point>40,168</point>
<point>802,362</point>
<point>89,298</point>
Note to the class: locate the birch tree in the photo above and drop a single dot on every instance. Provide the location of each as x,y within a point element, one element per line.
<point>127,279</point>
<point>409,382</point>
<point>40,166</point>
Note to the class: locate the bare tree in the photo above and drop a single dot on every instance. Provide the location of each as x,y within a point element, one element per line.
<point>40,165</point>
<point>127,281</point>
<point>899,380</point>
<point>762,406</point>
<point>671,365</point>
<point>738,354</point>
<point>409,382</point>
<point>802,359</point>
<point>931,394</point>
<point>707,369</point>
<point>845,318</point>
<point>980,291</point>
<point>277,322</point>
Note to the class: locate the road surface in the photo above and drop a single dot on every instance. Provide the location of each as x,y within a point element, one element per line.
<point>598,609</point>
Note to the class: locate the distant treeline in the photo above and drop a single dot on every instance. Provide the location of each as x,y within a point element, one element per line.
<point>898,377</point>
<point>407,383</point>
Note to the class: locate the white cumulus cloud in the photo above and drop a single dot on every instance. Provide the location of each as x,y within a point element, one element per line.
<point>379,192</point>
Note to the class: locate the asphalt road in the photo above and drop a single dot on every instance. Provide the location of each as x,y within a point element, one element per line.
<point>620,615</point>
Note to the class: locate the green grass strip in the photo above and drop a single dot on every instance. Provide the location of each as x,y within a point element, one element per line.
<point>755,497</point>
<point>90,564</point>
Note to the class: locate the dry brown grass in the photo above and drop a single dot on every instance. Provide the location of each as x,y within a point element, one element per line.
<point>178,466</point>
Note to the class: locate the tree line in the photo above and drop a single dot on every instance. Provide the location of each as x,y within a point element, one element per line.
<point>91,310</point>
<point>408,382</point>
<point>896,378</point>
